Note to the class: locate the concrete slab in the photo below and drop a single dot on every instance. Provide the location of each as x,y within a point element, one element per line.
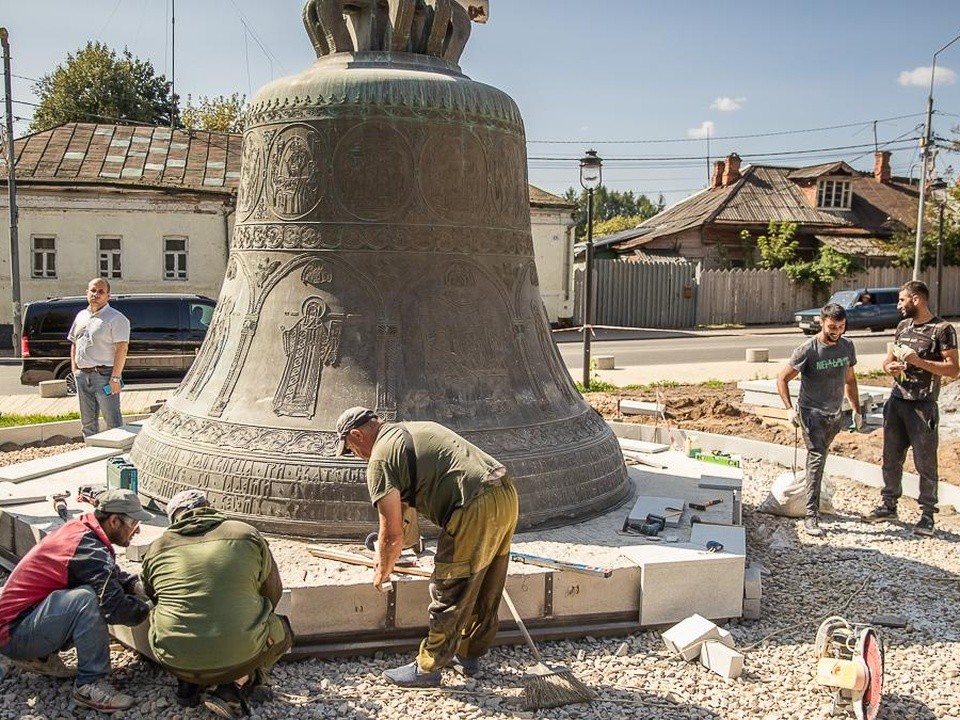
<point>721,482</point>
<point>752,583</point>
<point>43,467</point>
<point>121,437</point>
<point>642,446</point>
<point>679,580</point>
<point>723,660</point>
<point>639,407</point>
<point>666,507</point>
<point>733,538</point>
<point>687,636</point>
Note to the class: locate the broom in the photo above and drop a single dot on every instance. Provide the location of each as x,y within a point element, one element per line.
<point>546,687</point>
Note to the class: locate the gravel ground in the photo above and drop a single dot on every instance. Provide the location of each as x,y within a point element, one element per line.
<point>856,571</point>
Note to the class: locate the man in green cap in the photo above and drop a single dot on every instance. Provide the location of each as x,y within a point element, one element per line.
<point>66,590</point>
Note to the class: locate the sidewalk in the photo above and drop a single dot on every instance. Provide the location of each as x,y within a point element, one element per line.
<point>698,372</point>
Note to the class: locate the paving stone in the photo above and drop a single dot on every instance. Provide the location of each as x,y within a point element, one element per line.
<point>686,637</point>
<point>752,583</point>
<point>121,437</point>
<point>642,446</point>
<point>721,659</point>
<point>55,463</point>
<point>719,482</point>
<point>734,538</point>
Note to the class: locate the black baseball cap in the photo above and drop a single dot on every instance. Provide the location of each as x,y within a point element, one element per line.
<point>350,420</point>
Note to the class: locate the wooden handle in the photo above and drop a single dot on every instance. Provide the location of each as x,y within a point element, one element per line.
<point>523,628</point>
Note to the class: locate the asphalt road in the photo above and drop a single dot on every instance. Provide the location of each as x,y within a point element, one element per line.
<point>632,347</point>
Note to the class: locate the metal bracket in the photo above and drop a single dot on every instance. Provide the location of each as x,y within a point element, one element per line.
<point>548,594</point>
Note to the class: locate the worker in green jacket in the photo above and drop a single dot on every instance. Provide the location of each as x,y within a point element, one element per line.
<point>215,586</point>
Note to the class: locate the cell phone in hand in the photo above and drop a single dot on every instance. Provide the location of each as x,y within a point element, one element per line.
<point>107,389</point>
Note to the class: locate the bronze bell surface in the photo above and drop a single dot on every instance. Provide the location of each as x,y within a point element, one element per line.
<point>381,256</point>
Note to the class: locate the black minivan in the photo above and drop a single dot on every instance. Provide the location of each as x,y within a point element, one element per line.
<point>165,332</point>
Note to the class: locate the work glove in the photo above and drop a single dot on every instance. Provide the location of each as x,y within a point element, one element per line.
<point>857,424</point>
<point>901,352</point>
<point>793,418</point>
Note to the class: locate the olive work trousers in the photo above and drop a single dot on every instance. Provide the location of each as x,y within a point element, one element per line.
<point>279,641</point>
<point>473,552</point>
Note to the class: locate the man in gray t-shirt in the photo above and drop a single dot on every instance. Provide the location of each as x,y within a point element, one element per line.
<point>825,366</point>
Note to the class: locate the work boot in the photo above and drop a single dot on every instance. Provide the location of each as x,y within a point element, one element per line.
<point>101,696</point>
<point>52,666</point>
<point>188,694</point>
<point>225,701</point>
<point>466,666</point>
<point>924,526</point>
<point>883,512</point>
<point>410,675</point>
<point>811,526</point>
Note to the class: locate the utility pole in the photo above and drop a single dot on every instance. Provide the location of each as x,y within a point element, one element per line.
<point>926,162</point>
<point>12,192</point>
<point>173,62</point>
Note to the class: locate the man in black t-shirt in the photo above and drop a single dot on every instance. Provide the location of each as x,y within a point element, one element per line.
<point>925,349</point>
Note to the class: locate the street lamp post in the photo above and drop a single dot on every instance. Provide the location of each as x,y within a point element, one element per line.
<point>938,191</point>
<point>927,158</point>
<point>590,178</point>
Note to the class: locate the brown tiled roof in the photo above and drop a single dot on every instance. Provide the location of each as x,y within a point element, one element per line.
<point>541,198</point>
<point>767,193</point>
<point>91,153</point>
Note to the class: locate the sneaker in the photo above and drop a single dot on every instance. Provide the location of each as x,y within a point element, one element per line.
<point>410,675</point>
<point>188,694</point>
<point>101,696</point>
<point>467,666</point>
<point>924,526</point>
<point>811,526</point>
<point>883,512</point>
<point>225,701</point>
<point>51,666</point>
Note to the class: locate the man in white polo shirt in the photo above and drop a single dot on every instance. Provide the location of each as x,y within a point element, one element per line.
<point>99,339</point>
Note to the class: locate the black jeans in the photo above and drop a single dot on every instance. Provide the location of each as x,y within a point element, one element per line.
<point>819,430</point>
<point>916,424</point>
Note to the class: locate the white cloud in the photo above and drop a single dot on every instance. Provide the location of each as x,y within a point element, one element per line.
<point>921,76</point>
<point>705,130</point>
<point>727,104</point>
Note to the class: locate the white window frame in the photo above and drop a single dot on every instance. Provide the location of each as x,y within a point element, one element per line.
<point>46,272</point>
<point>833,194</point>
<point>109,262</point>
<point>180,257</point>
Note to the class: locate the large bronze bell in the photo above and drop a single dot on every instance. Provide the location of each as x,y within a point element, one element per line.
<point>381,256</point>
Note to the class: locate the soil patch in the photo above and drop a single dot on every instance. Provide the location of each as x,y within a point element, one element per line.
<point>720,410</point>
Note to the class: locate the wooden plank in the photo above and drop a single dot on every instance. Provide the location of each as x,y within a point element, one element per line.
<point>352,558</point>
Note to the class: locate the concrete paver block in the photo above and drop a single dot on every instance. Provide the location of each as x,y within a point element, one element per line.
<point>642,446</point>
<point>733,538</point>
<point>752,584</point>
<point>604,362</point>
<point>55,463</point>
<point>679,580</point>
<point>121,437</point>
<point>686,637</point>
<point>751,608</point>
<point>758,355</point>
<point>721,659</point>
<point>647,505</point>
<point>53,388</point>
<point>719,482</point>
<point>639,407</point>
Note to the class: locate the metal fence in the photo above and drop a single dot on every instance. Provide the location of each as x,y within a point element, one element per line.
<point>659,295</point>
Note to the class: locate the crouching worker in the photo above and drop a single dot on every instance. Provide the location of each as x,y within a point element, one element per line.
<point>66,590</point>
<point>215,587</point>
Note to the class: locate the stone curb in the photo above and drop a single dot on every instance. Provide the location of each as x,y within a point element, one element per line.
<point>862,472</point>
<point>52,433</point>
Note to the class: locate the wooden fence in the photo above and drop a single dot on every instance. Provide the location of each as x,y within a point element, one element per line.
<point>659,295</point>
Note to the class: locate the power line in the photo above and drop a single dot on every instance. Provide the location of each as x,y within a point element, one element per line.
<point>270,56</point>
<point>773,133</point>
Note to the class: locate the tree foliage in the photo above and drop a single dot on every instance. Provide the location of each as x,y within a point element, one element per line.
<point>608,204</point>
<point>218,114</point>
<point>615,224</point>
<point>905,243</point>
<point>778,250</point>
<point>97,85</point>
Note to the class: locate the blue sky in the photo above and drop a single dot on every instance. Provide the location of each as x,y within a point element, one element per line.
<point>641,82</point>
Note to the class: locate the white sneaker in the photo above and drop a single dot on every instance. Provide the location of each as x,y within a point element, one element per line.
<point>101,696</point>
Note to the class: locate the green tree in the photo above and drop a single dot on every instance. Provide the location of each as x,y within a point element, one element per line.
<point>219,114</point>
<point>778,250</point>
<point>97,85</point>
<point>615,224</point>
<point>904,244</point>
<point>608,204</point>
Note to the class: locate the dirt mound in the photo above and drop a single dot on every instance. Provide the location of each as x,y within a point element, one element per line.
<point>720,410</point>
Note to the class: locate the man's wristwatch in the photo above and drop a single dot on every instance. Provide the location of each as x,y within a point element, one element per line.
<point>115,377</point>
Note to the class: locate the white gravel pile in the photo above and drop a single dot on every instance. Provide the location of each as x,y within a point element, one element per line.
<point>856,571</point>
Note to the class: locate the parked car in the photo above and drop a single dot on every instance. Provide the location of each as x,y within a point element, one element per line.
<point>165,332</point>
<point>871,308</point>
